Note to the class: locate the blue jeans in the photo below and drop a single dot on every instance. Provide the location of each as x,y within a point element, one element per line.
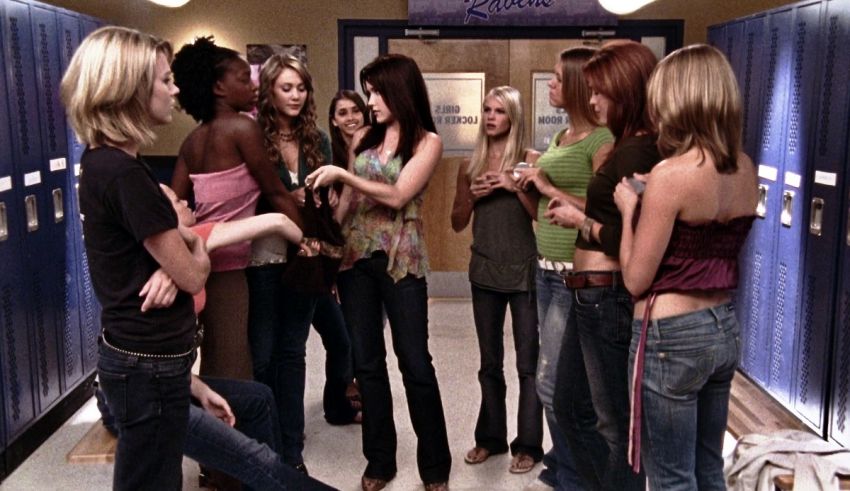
<point>365,289</point>
<point>689,365</point>
<point>329,322</point>
<point>149,398</point>
<point>488,308</point>
<point>553,304</point>
<point>601,318</point>
<point>278,325</point>
<point>249,452</point>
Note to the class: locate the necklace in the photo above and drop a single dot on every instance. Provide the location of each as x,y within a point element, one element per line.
<point>285,137</point>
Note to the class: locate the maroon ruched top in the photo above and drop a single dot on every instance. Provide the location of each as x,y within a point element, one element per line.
<point>702,256</point>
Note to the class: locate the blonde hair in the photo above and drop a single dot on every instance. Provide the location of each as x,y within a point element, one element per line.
<point>107,87</point>
<point>694,102</point>
<point>511,100</point>
<point>304,127</point>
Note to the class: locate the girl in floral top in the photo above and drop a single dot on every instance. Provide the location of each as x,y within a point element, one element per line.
<point>385,263</point>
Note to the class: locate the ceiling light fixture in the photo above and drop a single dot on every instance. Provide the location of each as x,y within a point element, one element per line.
<point>621,7</point>
<point>170,3</point>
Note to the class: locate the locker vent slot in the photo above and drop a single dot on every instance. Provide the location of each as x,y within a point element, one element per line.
<point>730,43</point>
<point>752,334</point>
<point>20,93</point>
<point>843,369</point>
<point>69,45</point>
<point>748,78</point>
<point>826,97</point>
<point>47,86</point>
<point>771,87</point>
<point>67,335</point>
<point>41,333</point>
<point>778,319</point>
<point>794,126</point>
<point>89,329</point>
<point>806,353</point>
<point>11,354</point>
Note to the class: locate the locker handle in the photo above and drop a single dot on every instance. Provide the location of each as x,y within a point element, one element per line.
<point>58,206</point>
<point>787,208</point>
<point>4,223</point>
<point>816,217</point>
<point>31,207</point>
<point>761,207</point>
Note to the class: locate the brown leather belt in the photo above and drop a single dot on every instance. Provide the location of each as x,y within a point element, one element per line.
<point>589,279</point>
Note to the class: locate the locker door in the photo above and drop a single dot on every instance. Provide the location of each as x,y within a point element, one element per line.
<point>824,231</point>
<point>716,34</point>
<point>798,29</point>
<point>833,184</point>
<point>753,292</point>
<point>52,323</point>
<point>18,365</point>
<point>734,45</point>
<point>73,341</point>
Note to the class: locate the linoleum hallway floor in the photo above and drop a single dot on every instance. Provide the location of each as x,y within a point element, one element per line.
<point>332,453</point>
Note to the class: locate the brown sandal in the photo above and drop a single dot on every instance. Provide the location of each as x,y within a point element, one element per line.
<point>521,463</point>
<point>476,455</point>
<point>352,393</point>
<point>372,484</point>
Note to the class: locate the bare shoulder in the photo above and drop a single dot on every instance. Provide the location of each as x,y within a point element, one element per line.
<point>241,123</point>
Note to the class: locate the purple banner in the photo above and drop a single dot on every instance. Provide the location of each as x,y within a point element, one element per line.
<point>508,13</point>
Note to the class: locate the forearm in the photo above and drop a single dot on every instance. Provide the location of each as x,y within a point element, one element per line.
<point>386,194</point>
<point>529,200</point>
<point>552,192</point>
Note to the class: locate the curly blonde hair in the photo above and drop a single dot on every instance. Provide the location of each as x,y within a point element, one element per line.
<point>305,130</point>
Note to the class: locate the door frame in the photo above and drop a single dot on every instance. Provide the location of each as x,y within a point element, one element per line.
<point>347,29</point>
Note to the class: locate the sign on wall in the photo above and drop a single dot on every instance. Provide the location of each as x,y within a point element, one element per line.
<point>545,119</point>
<point>456,108</point>
<point>508,13</point>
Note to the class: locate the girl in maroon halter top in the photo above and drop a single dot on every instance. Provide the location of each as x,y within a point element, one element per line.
<point>680,262</point>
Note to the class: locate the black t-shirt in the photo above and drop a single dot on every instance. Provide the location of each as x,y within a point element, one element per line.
<point>636,154</point>
<point>121,205</point>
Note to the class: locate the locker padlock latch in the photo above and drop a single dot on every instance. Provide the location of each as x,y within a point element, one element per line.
<point>4,223</point>
<point>31,207</point>
<point>787,208</point>
<point>816,217</point>
<point>58,206</point>
<point>761,207</point>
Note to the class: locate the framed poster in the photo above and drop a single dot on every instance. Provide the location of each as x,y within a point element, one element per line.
<point>456,108</point>
<point>545,119</point>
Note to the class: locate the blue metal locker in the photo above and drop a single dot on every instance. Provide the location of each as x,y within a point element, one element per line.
<point>72,352</point>
<point>716,34</point>
<point>824,177</point>
<point>798,57</point>
<point>761,129</point>
<point>58,318</point>
<point>18,366</point>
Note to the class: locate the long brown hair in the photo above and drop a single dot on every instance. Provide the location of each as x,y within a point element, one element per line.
<point>398,79</point>
<point>575,93</point>
<point>305,130</point>
<point>620,71</point>
<point>340,151</point>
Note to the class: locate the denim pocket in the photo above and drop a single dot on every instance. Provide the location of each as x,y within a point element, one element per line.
<point>590,297</point>
<point>114,387</point>
<point>683,372</point>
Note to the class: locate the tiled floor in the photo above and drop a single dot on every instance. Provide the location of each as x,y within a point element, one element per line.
<point>332,453</point>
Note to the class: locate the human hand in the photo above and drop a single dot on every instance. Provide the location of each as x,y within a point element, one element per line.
<point>325,176</point>
<point>309,247</point>
<point>625,195</point>
<point>159,291</point>
<point>481,186</point>
<point>531,175</point>
<point>561,212</point>
<point>213,403</point>
<point>503,180</point>
<point>333,197</point>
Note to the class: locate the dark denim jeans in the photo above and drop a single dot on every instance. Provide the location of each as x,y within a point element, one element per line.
<point>329,322</point>
<point>488,308</point>
<point>278,325</point>
<point>365,289</point>
<point>601,317</point>
<point>149,398</point>
<point>554,300</point>
<point>689,365</point>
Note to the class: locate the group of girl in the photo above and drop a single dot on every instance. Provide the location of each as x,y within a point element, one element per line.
<point>643,203</point>
<point>637,336</point>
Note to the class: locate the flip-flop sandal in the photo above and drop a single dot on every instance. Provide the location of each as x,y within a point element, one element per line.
<point>476,455</point>
<point>352,393</point>
<point>521,464</point>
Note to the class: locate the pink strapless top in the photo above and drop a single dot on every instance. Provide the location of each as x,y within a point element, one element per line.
<point>222,197</point>
<point>702,256</point>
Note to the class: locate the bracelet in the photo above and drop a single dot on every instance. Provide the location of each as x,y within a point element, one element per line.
<point>587,228</point>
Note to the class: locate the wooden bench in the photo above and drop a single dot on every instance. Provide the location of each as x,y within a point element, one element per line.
<point>96,447</point>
